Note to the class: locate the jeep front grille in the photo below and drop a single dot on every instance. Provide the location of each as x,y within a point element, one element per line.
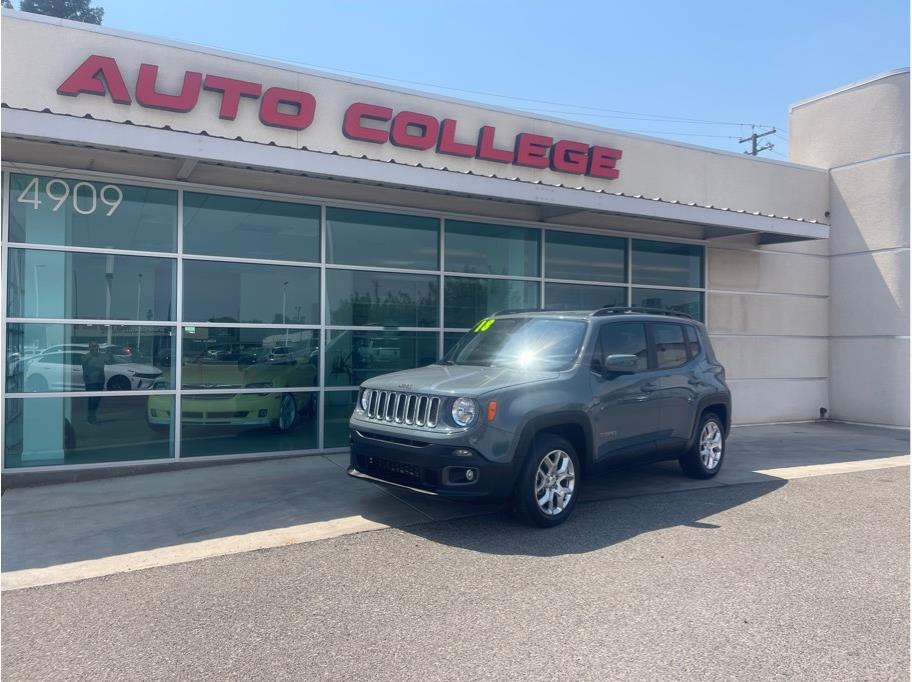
<point>403,408</point>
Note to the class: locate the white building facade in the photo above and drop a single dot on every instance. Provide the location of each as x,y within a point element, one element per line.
<point>242,242</point>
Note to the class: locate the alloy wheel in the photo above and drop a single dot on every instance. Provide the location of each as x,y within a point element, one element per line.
<point>711,445</point>
<point>555,481</point>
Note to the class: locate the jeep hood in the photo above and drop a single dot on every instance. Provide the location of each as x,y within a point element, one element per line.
<point>467,380</point>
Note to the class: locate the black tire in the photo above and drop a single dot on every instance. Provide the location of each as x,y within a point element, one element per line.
<point>525,500</point>
<point>694,461</point>
<point>119,382</point>
<point>159,428</point>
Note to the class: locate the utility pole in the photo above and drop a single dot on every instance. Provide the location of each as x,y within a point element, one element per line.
<point>753,137</point>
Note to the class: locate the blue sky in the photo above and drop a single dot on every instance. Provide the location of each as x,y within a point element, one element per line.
<point>732,62</point>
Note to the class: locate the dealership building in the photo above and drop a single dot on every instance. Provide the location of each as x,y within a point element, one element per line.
<point>243,242</point>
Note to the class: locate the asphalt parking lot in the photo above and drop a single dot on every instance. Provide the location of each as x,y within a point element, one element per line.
<point>800,575</point>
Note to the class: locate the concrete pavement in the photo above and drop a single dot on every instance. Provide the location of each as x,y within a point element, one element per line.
<point>73,531</point>
<point>770,579</point>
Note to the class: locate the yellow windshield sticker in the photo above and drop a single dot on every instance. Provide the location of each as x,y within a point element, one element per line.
<point>483,326</point>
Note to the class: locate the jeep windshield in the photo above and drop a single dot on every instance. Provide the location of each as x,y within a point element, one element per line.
<point>521,342</point>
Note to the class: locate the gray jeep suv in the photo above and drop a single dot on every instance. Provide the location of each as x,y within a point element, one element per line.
<point>528,403</point>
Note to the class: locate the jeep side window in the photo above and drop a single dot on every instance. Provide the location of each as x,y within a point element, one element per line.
<point>692,341</point>
<point>669,345</point>
<point>625,338</point>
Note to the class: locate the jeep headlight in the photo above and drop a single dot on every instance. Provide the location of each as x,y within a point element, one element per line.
<point>464,411</point>
<point>365,399</point>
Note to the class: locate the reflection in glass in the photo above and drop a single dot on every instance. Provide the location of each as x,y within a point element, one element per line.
<point>381,299</point>
<point>467,300</point>
<point>219,357</point>
<point>242,227</point>
<point>690,302</point>
<point>355,356</point>
<point>244,292</point>
<point>583,296</point>
<point>450,339</point>
<point>521,342</point>
<point>89,286</point>
<point>105,215</point>
<point>667,264</point>
<point>85,357</point>
<point>336,413</point>
<point>669,345</point>
<point>590,257</point>
<point>381,239</point>
<point>491,249</point>
<point>247,423</point>
<point>60,430</point>
<point>625,338</point>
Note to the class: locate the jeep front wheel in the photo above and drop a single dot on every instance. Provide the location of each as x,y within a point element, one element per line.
<point>548,486</point>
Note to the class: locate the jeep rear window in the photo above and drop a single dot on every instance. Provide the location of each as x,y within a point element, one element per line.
<point>526,343</point>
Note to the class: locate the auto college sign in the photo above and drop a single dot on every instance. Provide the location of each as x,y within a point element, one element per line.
<point>361,121</point>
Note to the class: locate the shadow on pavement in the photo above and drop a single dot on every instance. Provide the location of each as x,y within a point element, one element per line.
<point>596,524</point>
<point>59,524</point>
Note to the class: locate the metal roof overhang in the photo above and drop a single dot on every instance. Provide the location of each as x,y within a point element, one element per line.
<point>554,202</point>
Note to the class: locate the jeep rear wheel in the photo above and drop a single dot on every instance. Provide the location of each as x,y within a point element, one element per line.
<point>548,486</point>
<point>704,459</point>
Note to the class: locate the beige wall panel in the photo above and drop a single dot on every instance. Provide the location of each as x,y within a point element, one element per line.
<point>775,314</point>
<point>777,400</point>
<point>861,123</point>
<point>864,385</point>
<point>772,357</point>
<point>869,294</point>
<point>870,206</point>
<point>767,271</point>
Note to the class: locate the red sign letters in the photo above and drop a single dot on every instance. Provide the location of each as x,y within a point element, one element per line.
<point>295,110</point>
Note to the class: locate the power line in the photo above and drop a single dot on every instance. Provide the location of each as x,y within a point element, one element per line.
<point>632,118</point>
<point>658,117</point>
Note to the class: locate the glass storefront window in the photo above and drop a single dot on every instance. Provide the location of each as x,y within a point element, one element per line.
<point>355,356</point>
<point>690,302</point>
<point>76,357</point>
<point>583,296</point>
<point>587,257</point>
<point>218,225</point>
<point>468,299</point>
<point>381,239</point>
<point>667,264</point>
<point>220,357</point>
<point>242,423</point>
<point>55,284</point>
<point>251,293</point>
<point>105,215</point>
<point>87,430</point>
<point>336,413</point>
<point>381,299</point>
<point>251,333</point>
<point>481,248</point>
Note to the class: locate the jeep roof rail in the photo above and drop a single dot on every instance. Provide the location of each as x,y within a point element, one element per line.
<point>511,311</point>
<point>625,309</point>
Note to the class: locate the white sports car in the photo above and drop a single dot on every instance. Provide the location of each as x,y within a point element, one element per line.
<point>61,370</point>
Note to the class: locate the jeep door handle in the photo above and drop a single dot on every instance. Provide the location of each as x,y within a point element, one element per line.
<point>648,388</point>
<point>693,381</point>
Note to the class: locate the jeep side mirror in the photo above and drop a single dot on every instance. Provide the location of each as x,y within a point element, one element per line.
<point>621,364</point>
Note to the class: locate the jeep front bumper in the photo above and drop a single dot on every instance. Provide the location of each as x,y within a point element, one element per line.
<point>444,469</point>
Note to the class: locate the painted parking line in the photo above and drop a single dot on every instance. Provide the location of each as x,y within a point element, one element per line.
<point>789,473</point>
<point>192,551</point>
